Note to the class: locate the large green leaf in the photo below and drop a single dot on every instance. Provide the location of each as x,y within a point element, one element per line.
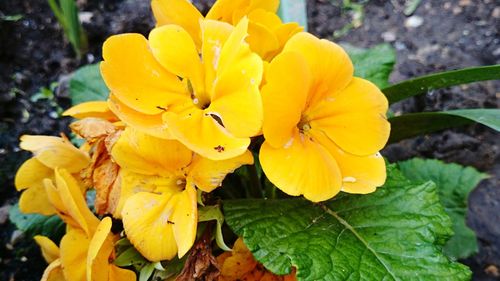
<point>414,124</point>
<point>396,233</point>
<point>423,84</point>
<point>35,224</point>
<point>374,64</point>
<point>86,84</point>
<point>454,184</point>
<point>293,11</point>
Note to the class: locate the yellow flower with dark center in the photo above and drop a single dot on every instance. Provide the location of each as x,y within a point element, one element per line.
<point>267,33</point>
<point>209,101</point>
<point>87,249</point>
<point>323,127</point>
<point>49,153</point>
<point>158,197</point>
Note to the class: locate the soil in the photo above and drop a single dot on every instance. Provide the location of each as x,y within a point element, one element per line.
<point>440,35</point>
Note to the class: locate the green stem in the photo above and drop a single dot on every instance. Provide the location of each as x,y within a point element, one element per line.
<point>255,185</point>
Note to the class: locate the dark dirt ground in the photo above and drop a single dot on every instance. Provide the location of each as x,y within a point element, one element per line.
<point>451,34</point>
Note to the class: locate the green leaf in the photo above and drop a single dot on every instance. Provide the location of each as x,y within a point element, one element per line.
<point>10,17</point>
<point>414,124</point>
<point>172,269</point>
<point>374,64</point>
<point>35,224</point>
<point>86,84</point>
<point>395,233</point>
<point>66,13</point>
<point>454,184</point>
<point>208,213</point>
<point>411,6</point>
<point>424,84</point>
<point>130,257</point>
<point>146,272</point>
<point>293,11</point>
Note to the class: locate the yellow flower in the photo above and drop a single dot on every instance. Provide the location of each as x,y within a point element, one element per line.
<point>239,264</point>
<point>267,33</point>
<point>87,248</point>
<point>323,127</point>
<point>158,191</point>
<point>213,108</point>
<point>51,254</point>
<point>49,153</point>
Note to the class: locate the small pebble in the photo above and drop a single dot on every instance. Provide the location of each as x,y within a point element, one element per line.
<point>492,271</point>
<point>414,22</point>
<point>496,13</point>
<point>4,212</point>
<point>389,36</point>
<point>85,17</point>
<point>16,236</point>
<point>464,3</point>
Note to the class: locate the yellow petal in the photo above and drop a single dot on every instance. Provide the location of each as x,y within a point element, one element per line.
<point>74,247</point>
<point>120,274</point>
<point>50,251</point>
<point>241,112</point>
<point>176,51</point>
<point>53,272</point>
<point>268,5</point>
<point>239,263</point>
<point>149,124</point>
<point>35,200</point>
<point>236,98</point>
<point>131,183</point>
<point>185,219</point>
<point>360,174</point>
<point>302,167</point>
<point>284,32</point>
<point>55,152</point>
<point>95,109</point>
<point>331,68</point>
<point>207,174</point>
<point>284,97</point>
<point>179,12</point>
<point>67,198</point>
<point>261,39</point>
<point>354,118</point>
<point>100,248</point>
<point>31,174</point>
<point>235,48</point>
<point>201,133</point>
<point>148,222</point>
<point>233,10</point>
<point>136,78</point>
<point>148,155</point>
<point>223,10</point>
<point>215,35</point>
<point>265,18</point>
<point>238,69</point>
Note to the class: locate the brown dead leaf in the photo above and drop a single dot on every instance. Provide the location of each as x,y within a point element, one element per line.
<point>201,265</point>
<point>102,173</point>
<point>104,177</point>
<point>92,129</point>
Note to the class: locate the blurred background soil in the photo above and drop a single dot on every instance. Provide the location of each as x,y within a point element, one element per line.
<point>439,35</point>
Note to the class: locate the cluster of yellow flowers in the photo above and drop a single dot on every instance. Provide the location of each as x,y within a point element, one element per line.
<point>184,106</point>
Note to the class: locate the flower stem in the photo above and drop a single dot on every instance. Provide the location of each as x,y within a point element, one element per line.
<point>255,185</point>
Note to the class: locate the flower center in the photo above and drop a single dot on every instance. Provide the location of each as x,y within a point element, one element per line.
<point>304,125</point>
<point>196,100</point>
